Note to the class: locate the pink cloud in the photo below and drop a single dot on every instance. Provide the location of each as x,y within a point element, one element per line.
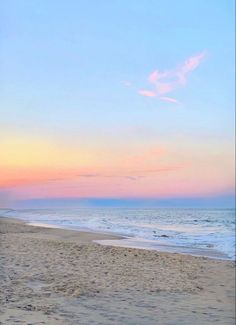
<point>164,88</point>
<point>169,99</point>
<point>188,66</point>
<point>193,62</point>
<point>156,75</point>
<point>147,93</point>
<point>167,81</point>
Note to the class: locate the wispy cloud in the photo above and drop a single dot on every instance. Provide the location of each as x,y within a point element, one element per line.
<point>169,99</point>
<point>134,172</point>
<point>88,175</point>
<point>147,93</point>
<point>164,168</point>
<point>167,81</point>
<point>132,178</point>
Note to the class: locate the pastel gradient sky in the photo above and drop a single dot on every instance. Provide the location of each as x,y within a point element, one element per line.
<point>116,99</point>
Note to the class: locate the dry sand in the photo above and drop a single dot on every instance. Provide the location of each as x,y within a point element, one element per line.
<point>54,276</point>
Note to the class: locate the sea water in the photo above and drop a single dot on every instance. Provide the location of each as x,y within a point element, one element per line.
<point>199,230</point>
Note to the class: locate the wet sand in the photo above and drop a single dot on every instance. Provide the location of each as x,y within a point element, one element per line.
<point>56,276</point>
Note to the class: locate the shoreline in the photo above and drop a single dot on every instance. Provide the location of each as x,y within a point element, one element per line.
<point>57,276</point>
<point>121,240</point>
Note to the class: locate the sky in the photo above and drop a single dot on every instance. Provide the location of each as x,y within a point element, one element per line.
<point>117,101</point>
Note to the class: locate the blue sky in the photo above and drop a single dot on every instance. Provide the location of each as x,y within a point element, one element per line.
<point>72,74</point>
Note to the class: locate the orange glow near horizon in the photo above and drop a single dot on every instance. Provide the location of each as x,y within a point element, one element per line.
<point>37,168</point>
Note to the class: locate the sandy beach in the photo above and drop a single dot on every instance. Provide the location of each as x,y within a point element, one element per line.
<point>56,276</point>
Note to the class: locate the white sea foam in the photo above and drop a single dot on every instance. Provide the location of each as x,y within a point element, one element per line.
<point>193,228</point>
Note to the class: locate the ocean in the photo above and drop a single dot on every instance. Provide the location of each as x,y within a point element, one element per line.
<point>206,232</point>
